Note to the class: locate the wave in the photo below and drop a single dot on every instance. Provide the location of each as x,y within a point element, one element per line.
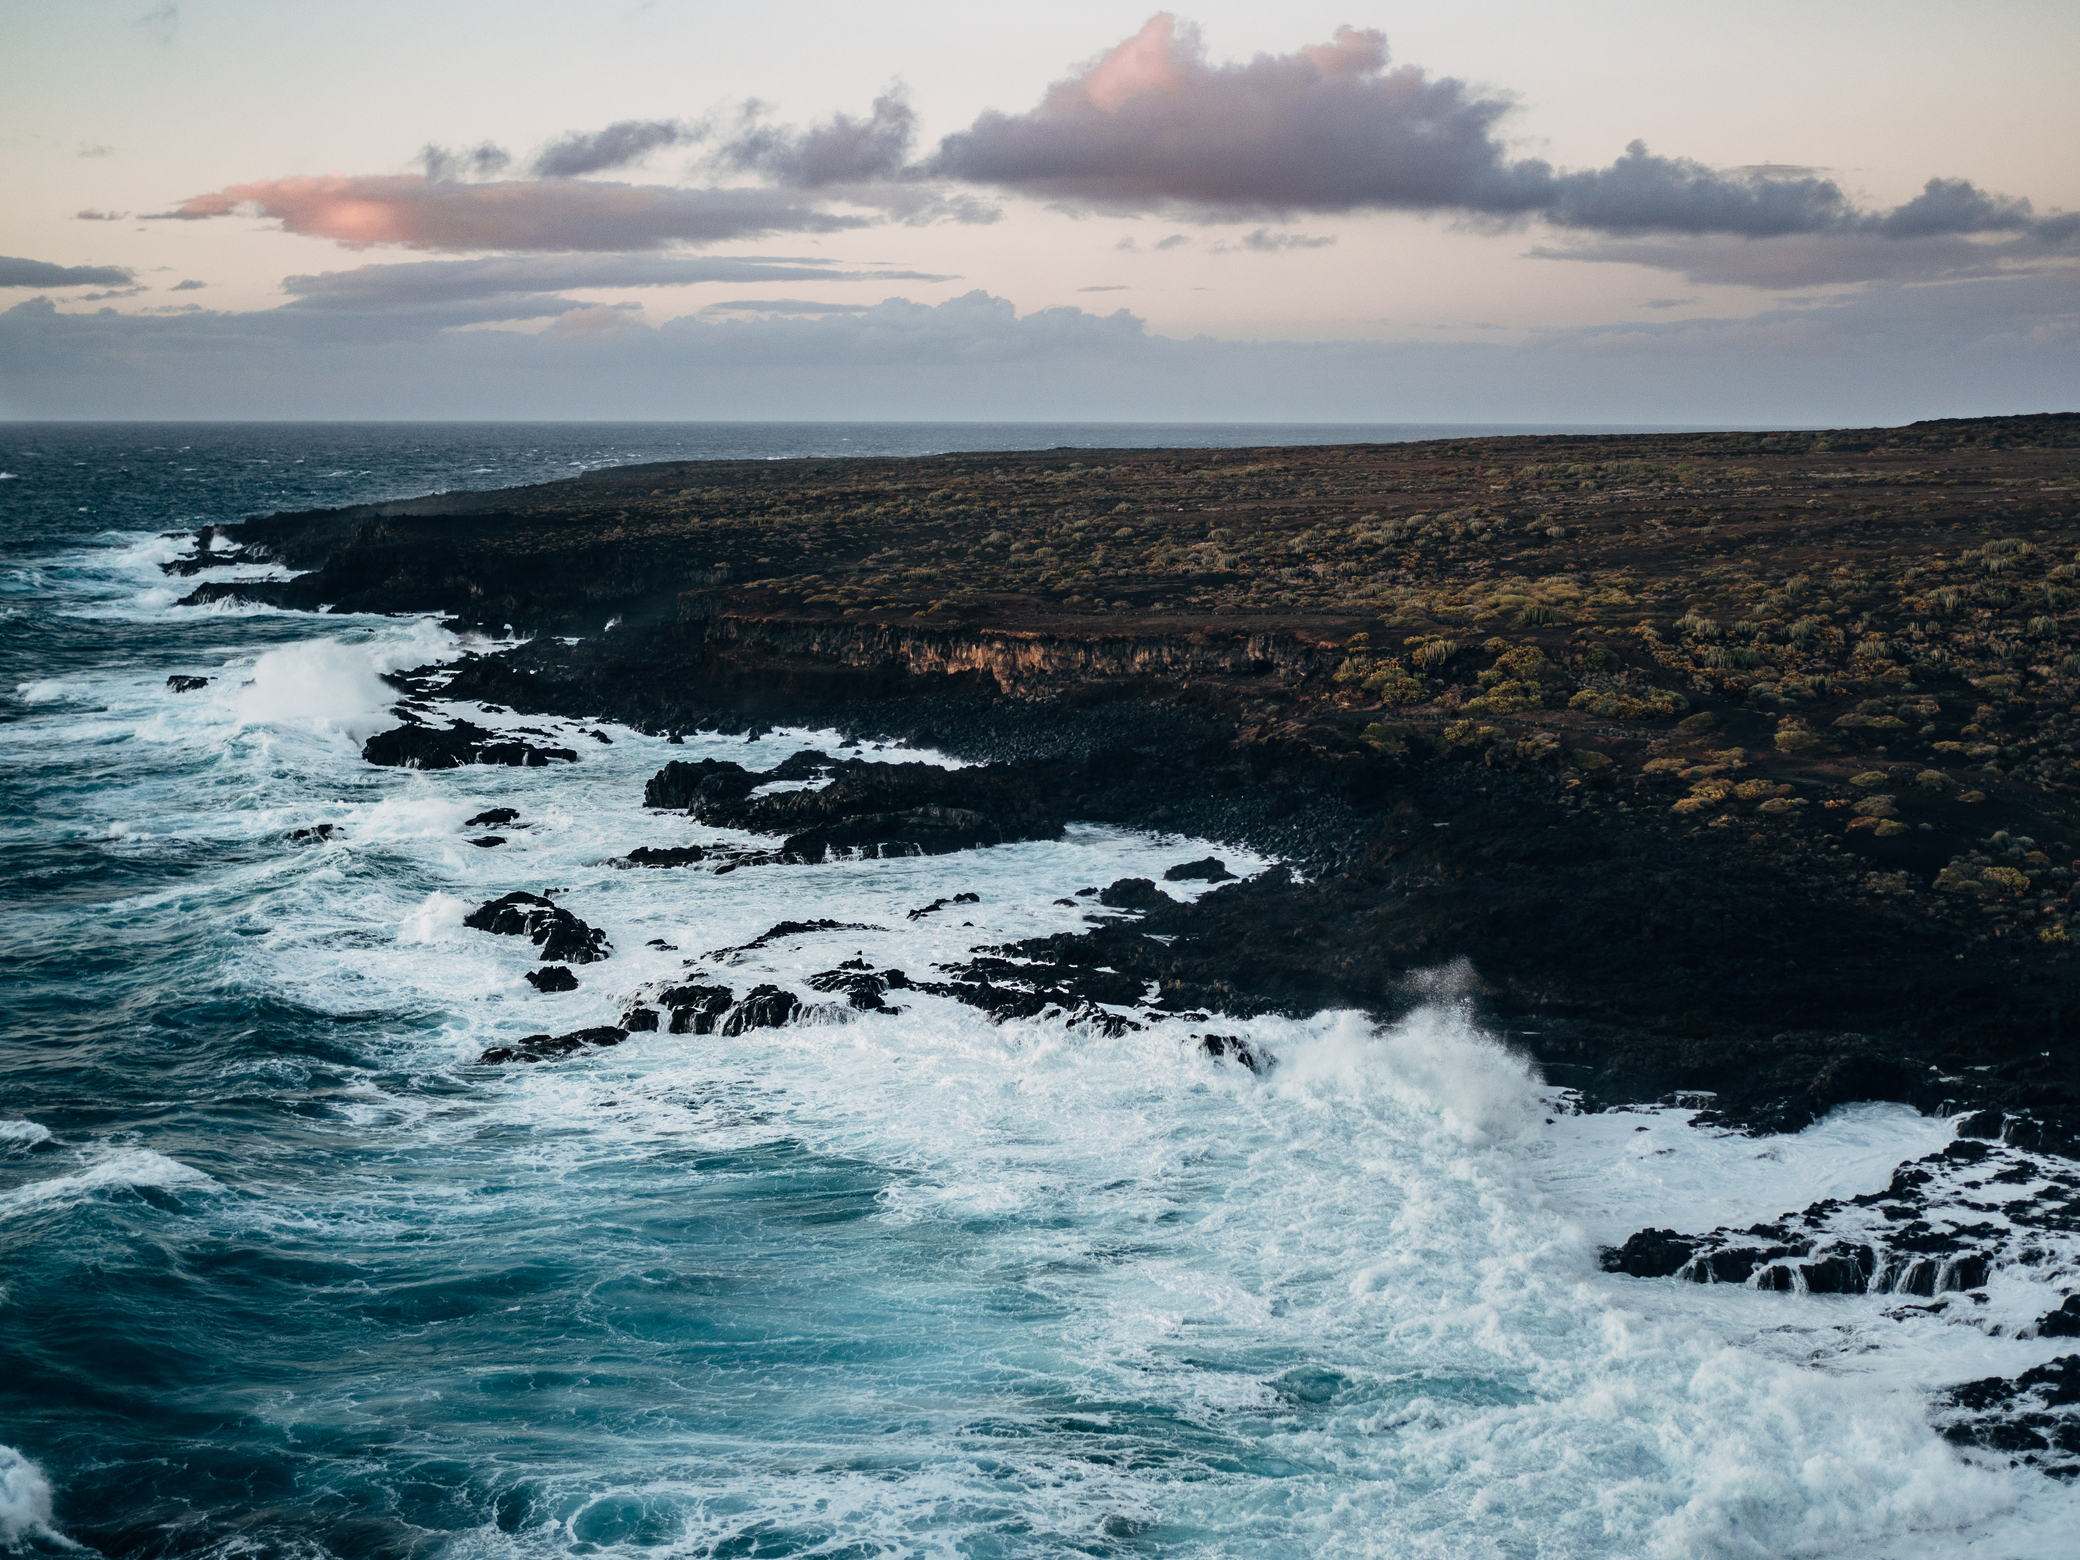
<point>129,1169</point>
<point>25,1503</point>
<point>17,1135</point>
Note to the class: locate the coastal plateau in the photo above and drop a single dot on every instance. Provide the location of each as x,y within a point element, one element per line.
<point>1739,763</point>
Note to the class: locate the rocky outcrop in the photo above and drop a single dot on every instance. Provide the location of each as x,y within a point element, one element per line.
<point>2032,1419</point>
<point>560,935</point>
<point>434,747</point>
<point>872,809</point>
<point>544,1048</point>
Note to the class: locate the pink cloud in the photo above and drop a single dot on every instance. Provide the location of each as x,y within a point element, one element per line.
<point>1149,62</point>
<point>357,211</point>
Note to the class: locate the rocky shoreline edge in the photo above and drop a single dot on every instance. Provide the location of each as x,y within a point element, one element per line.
<point>1660,875</point>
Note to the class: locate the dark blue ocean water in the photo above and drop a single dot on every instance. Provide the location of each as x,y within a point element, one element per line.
<point>283,1272</point>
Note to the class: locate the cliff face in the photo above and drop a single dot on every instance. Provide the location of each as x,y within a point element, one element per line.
<point>1026,663</point>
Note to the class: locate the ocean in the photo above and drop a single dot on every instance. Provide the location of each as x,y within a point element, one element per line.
<point>284,1272</point>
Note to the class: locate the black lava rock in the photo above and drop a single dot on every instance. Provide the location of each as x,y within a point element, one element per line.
<point>1651,1254</point>
<point>679,783</point>
<point>559,934</point>
<point>2062,1323</point>
<point>556,977</point>
<point>542,1048</point>
<point>1134,894</point>
<point>875,810</point>
<point>695,1010</point>
<point>429,747</point>
<point>766,1007</point>
<point>186,684</point>
<point>665,856</point>
<point>491,818</point>
<point>1220,1047</point>
<point>1209,869</point>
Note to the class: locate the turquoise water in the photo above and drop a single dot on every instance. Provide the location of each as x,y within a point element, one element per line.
<point>282,1272</point>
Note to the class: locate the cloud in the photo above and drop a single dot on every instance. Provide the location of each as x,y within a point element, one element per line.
<point>415,284</point>
<point>188,286</point>
<point>1955,206</point>
<point>621,143</point>
<point>1668,303</point>
<point>95,149</point>
<point>1886,355</point>
<point>162,22</point>
<point>840,151</point>
<point>485,160</point>
<point>555,214</point>
<point>1153,125</point>
<point>1113,287</point>
<point>1264,241</point>
<point>15,272</point>
<point>91,215</point>
<point>782,306</point>
<point>1867,253</point>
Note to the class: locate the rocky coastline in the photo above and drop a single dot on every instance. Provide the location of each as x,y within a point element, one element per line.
<point>1728,763</point>
<point>1734,770</point>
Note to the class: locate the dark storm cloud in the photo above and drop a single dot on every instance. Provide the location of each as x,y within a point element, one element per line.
<point>16,272</point>
<point>621,143</point>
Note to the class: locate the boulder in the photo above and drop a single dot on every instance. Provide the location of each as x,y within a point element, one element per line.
<point>1651,1254</point>
<point>2063,1322</point>
<point>1134,894</point>
<point>492,817</point>
<point>679,783</point>
<point>765,1007</point>
<point>186,684</point>
<point>695,1010</point>
<point>1209,869</point>
<point>560,935</point>
<point>556,977</point>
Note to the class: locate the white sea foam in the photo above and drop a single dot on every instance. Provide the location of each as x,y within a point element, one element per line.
<point>52,690</point>
<point>25,1502</point>
<point>120,1169</point>
<point>22,1134</point>
<point>330,686</point>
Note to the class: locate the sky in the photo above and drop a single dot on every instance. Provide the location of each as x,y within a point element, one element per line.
<point>1831,212</point>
